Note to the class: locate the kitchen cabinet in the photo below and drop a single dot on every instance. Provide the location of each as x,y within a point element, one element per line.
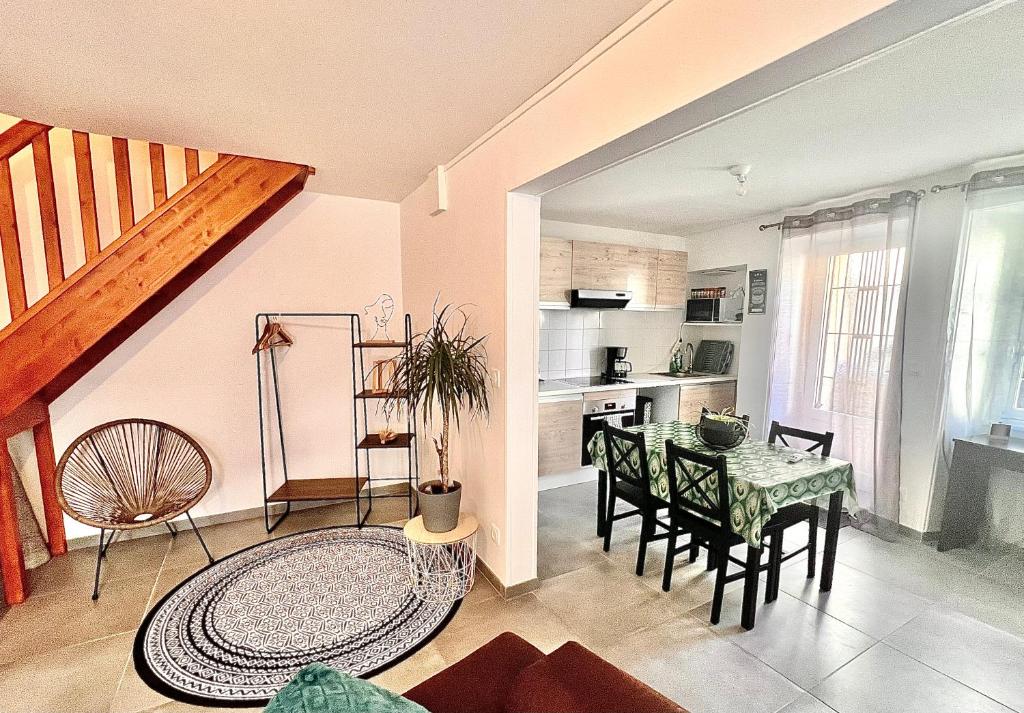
<point>671,286</point>
<point>716,397</point>
<point>607,266</point>
<point>555,270</point>
<point>560,437</point>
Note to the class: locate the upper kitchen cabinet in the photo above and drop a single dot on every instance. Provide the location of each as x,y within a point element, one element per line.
<point>671,283</point>
<point>555,271</point>
<point>606,266</point>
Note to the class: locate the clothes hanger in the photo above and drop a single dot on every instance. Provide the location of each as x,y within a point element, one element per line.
<point>273,336</point>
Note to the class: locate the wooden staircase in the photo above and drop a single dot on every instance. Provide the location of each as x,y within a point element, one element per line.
<point>50,344</point>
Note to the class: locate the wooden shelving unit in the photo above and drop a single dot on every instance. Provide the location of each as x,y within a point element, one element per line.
<point>368,442</point>
<point>358,487</point>
<point>372,440</point>
<point>317,489</point>
<point>370,394</point>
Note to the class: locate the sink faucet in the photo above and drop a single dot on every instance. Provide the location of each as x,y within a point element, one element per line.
<point>689,359</point>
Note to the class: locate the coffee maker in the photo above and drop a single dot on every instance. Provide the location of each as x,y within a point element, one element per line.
<point>615,364</point>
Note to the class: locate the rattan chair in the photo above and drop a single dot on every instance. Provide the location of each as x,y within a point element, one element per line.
<point>130,474</point>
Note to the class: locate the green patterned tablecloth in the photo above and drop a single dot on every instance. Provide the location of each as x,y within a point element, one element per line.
<point>760,479</point>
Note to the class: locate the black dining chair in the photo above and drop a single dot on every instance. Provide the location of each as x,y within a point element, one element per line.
<point>629,479</point>
<point>812,442</point>
<point>699,494</point>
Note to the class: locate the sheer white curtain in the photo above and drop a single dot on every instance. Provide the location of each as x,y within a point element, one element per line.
<point>838,352</point>
<point>986,325</point>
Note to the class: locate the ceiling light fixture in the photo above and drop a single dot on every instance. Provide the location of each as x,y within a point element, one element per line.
<point>739,171</point>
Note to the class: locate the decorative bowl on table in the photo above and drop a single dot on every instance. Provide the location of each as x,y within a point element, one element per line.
<point>722,431</point>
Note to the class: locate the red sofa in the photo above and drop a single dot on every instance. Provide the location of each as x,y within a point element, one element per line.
<point>510,675</point>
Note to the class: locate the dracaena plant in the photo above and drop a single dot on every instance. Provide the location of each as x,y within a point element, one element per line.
<point>444,373</point>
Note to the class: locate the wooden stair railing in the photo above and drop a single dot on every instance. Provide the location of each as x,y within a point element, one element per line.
<point>51,343</point>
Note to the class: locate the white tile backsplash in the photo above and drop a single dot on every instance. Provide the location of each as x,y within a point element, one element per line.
<point>572,341</point>
<point>556,361</point>
<point>556,340</point>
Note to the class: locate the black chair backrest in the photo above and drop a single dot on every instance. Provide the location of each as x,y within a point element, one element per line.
<point>822,441</point>
<point>626,457</point>
<point>698,482</point>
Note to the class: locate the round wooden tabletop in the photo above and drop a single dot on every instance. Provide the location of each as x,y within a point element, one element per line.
<point>415,531</point>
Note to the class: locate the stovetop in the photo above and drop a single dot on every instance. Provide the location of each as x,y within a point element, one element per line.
<point>592,381</point>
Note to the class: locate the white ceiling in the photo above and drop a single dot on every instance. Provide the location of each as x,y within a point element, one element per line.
<point>950,97</point>
<point>372,93</point>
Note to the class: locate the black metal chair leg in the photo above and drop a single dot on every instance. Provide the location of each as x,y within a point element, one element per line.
<point>646,530</point>
<point>694,550</point>
<point>771,590</point>
<point>812,544</point>
<point>670,555</point>
<point>200,537</point>
<point>750,584</point>
<point>100,554</point>
<point>722,564</point>
<point>170,528</point>
<point>609,521</point>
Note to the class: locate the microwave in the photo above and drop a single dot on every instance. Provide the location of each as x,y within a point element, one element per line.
<point>718,309</point>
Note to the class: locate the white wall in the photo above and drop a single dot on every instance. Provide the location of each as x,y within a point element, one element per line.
<point>602,234</point>
<point>191,364</point>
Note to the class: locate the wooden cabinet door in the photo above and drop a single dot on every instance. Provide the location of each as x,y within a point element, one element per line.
<point>555,269</point>
<point>671,287</point>
<point>643,276</point>
<point>606,266</point>
<point>722,396</point>
<point>560,441</point>
<point>716,397</point>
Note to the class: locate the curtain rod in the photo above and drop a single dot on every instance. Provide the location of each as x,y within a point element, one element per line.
<point>920,194</point>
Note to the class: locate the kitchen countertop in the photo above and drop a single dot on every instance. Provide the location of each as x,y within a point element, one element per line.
<point>553,387</point>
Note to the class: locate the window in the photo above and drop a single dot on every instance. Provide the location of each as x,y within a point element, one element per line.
<point>858,325</point>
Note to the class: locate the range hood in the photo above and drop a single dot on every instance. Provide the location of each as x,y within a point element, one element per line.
<point>600,298</point>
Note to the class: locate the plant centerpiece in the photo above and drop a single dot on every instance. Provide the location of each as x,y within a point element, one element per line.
<point>723,430</point>
<point>444,374</point>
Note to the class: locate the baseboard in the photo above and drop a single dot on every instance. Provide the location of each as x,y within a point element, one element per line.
<point>560,480</point>
<point>506,592</point>
<point>78,543</point>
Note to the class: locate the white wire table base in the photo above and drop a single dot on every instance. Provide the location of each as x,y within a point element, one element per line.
<point>442,572</point>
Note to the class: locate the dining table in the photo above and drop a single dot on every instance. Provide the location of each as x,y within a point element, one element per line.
<point>763,478</point>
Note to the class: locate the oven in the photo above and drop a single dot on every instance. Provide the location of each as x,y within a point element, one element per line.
<point>616,407</point>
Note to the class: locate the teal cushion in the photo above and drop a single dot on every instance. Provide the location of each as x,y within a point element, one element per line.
<point>321,689</point>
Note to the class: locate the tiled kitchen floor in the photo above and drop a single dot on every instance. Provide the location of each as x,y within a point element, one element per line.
<point>904,629</point>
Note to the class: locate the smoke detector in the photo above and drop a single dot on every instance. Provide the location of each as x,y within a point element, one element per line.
<point>740,171</point>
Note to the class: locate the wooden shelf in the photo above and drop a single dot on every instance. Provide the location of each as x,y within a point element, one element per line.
<point>372,440</point>
<point>381,344</point>
<point>316,489</point>
<point>369,394</point>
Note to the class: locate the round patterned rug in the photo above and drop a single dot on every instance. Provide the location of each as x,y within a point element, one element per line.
<point>236,632</point>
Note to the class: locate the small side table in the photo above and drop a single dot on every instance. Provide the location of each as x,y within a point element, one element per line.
<point>442,564</point>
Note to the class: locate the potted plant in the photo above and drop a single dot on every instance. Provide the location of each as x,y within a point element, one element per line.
<point>444,373</point>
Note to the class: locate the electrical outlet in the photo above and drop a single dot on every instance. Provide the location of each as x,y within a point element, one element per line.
<point>495,534</point>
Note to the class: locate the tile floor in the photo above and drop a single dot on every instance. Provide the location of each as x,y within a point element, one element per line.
<point>904,629</point>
